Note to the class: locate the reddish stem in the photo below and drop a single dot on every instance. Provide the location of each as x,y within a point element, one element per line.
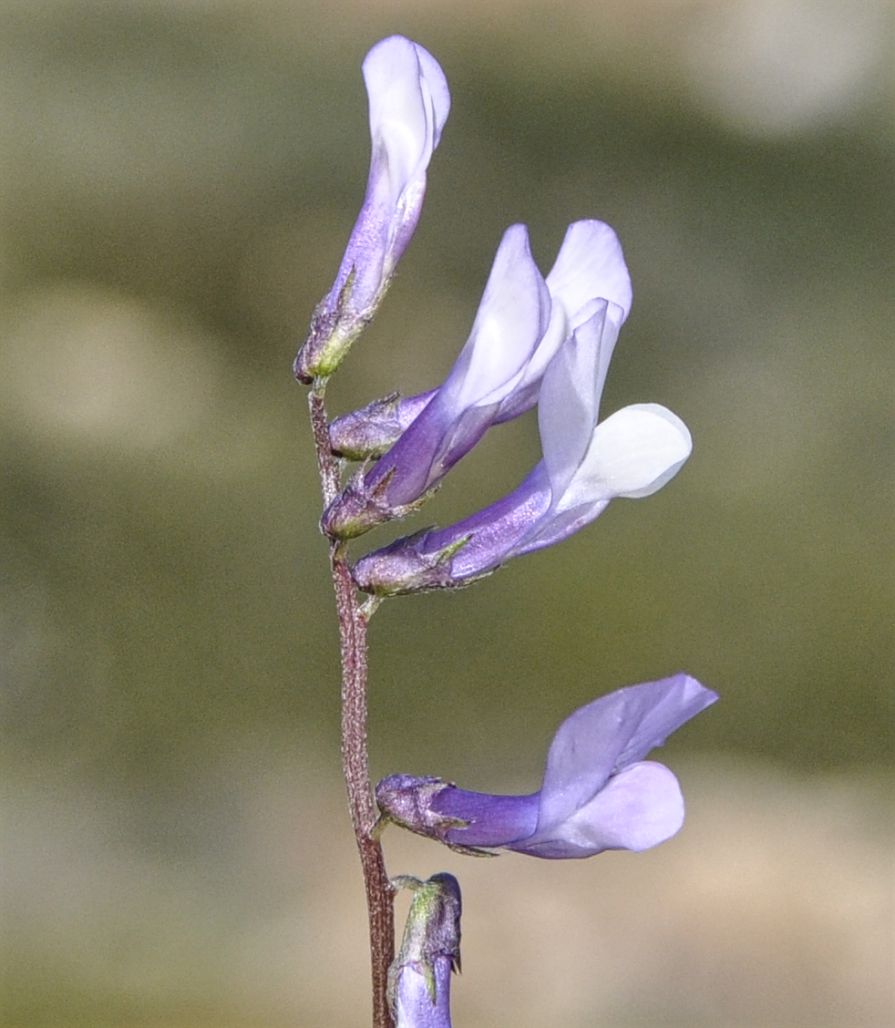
<point>355,761</point>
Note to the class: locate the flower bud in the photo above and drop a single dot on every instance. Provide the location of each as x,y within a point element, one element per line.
<point>409,104</point>
<point>420,977</point>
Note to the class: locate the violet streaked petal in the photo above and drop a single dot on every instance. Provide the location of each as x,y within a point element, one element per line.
<point>511,320</point>
<point>600,738</point>
<point>493,820</point>
<point>371,430</point>
<point>437,438</point>
<point>590,264</point>
<point>492,533</point>
<point>422,994</point>
<point>452,557</point>
<point>557,527</point>
<point>639,807</point>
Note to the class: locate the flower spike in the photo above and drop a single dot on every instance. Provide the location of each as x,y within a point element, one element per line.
<point>597,793</point>
<point>409,104</point>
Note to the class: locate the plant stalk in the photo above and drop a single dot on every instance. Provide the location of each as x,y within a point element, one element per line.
<point>355,761</point>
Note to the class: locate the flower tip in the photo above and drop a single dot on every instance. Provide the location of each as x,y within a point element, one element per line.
<point>590,264</point>
<point>397,58</point>
<point>694,692</point>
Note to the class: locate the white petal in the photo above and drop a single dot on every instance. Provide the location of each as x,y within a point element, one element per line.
<point>435,91</point>
<point>409,102</point>
<point>590,264</point>
<point>633,453</point>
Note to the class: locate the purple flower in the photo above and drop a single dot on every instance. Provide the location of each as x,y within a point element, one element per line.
<point>522,321</point>
<point>409,104</point>
<point>589,264</point>
<point>420,977</point>
<point>586,463</point>
<point>597,794</point>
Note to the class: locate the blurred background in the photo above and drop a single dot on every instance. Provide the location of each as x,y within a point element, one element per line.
<point>177,183</point>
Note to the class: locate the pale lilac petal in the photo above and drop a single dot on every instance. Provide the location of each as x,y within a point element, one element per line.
<point>643,448</point>
<point>570,397</point>
<point>590,264</point>
<point>638,808</point>
<point>656,710</point>
<point>602,737</point>
<point>414,1005</point>
<point>589,275</point>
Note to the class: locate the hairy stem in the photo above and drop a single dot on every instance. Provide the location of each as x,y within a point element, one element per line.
<point>355,761</point>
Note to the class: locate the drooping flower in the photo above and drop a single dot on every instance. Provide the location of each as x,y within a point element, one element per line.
<point>586,463</point>
<point>409,104</point>
<point>522,321</point>
<point>589,265</point>
<point>597,792</point>
<point>420,976</point>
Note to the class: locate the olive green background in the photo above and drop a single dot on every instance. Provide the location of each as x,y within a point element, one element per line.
<point>177,182</point>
